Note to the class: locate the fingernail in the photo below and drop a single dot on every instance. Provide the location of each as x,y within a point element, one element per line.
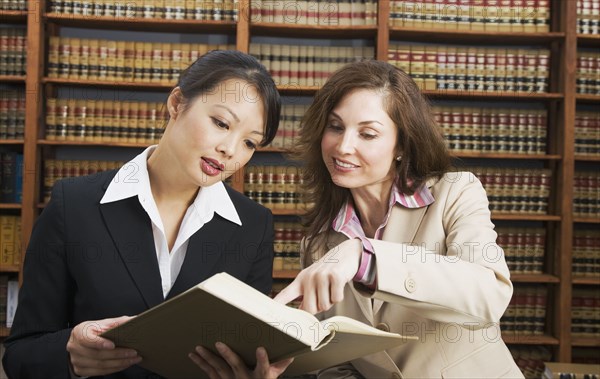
<point>108,345</point>
<point>220,346</point>
<point>261,352</point>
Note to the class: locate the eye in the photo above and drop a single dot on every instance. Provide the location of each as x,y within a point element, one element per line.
<point>368,136</point>
<point>219,123</point>
<point>335,127</point>
<point>250,145</point>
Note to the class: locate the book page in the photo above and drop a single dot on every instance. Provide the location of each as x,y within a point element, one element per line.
<point>297,323</point>
<point>350,339</point>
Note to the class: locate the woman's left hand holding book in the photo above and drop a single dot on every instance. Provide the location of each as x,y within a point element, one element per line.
<point>92,355</point>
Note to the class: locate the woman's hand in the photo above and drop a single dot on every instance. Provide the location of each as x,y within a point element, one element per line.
<point>322,284</point>
<point>92,355</point>
<point>230,365</point>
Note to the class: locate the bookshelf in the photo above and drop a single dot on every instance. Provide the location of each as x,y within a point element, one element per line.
<point>561,101</point>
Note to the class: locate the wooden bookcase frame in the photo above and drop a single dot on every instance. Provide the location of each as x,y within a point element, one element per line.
<point>563,42</point>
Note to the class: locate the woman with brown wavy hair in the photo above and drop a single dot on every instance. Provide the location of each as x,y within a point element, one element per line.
<point>395,239</point>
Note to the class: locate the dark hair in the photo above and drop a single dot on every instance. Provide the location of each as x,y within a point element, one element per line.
<point>217,66</point>
<point>420,141</point>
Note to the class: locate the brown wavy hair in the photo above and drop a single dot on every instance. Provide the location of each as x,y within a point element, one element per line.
<point>420,141</point>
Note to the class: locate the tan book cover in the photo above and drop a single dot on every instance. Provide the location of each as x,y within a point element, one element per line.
<point>222,308</point>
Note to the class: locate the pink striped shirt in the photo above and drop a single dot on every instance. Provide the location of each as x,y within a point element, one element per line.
<point>347,222</point>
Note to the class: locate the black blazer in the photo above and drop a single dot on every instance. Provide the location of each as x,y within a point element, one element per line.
<point>87,261</point>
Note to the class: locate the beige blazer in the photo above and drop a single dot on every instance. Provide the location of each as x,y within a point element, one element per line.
<point>441,277</point>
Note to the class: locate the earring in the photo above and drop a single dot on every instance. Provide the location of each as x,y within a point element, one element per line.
<point>399,158</point>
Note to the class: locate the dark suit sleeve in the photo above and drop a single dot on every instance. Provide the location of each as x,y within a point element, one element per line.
<point>36,347</point>
<point>261,274</point>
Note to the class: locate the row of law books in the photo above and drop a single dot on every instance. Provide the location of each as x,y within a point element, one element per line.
<point>9,293</point>
<point>13,51</point>
<point>588,72</point>
<point>468,68</point>
<point>286,262</point>
<point>585,312</point>
<point>13,5</point>
<point>530,359</point>
<point>588,16</point>
<point>515,190</point>
<point>304,65</point>
<point>586,201</point>
<point>56,169</point>
<point>12,114</point>
<point>104,120</point>
<point>526,312</point>
<point>289,125</point>
<point>286,246</point>
<point>275,187</point>
<point>143,62</point>
<point>10,240</point>
<point>306,12</point>
<point>287,237</point>
<point>523,249</point>
<point>493,130</point>
<point>11,177</point>
<point>215,10</point>
<point>586,253</point>
<point>489,15</point>
<point>587,133</point>
<point>554,370</point>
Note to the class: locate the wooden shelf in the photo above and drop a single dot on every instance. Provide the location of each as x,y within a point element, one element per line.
<point>144,24</point>
<point>10,206</point>
<point>521,339</point>
<point>9,269</point>
<point>587,158</point>
<point>585,341</point>
<point>313,31</point>
<point>285,274</point>
<point>287,212</point>
<point>444,94</point>
<point>91,143</point>
<point>13,17</point>
<point>584,98</point>
<point>139,86</point>
<point>11,141</point>
<point>549,157</point>
<point>586,220</point>
<point>4,331</point>
<point>534,278</point>
<point>473,36</point>
<point>12,78</point>
<point>521,217</point>
<point>290,89</point>
<point>586,280</point>
<point>588,40</point>
<point>465,94</point>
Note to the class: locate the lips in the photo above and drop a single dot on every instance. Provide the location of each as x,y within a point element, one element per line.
<point>211,167</point>
<point>344,165</point>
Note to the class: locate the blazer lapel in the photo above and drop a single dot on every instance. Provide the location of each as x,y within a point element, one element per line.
<point>204,251</point>
<point>131,231</point>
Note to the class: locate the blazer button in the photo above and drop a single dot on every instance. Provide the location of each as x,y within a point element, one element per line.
<point>410,285</point>
<point>383,326</point>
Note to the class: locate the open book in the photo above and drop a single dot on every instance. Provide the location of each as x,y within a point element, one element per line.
<point>223,308</point>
